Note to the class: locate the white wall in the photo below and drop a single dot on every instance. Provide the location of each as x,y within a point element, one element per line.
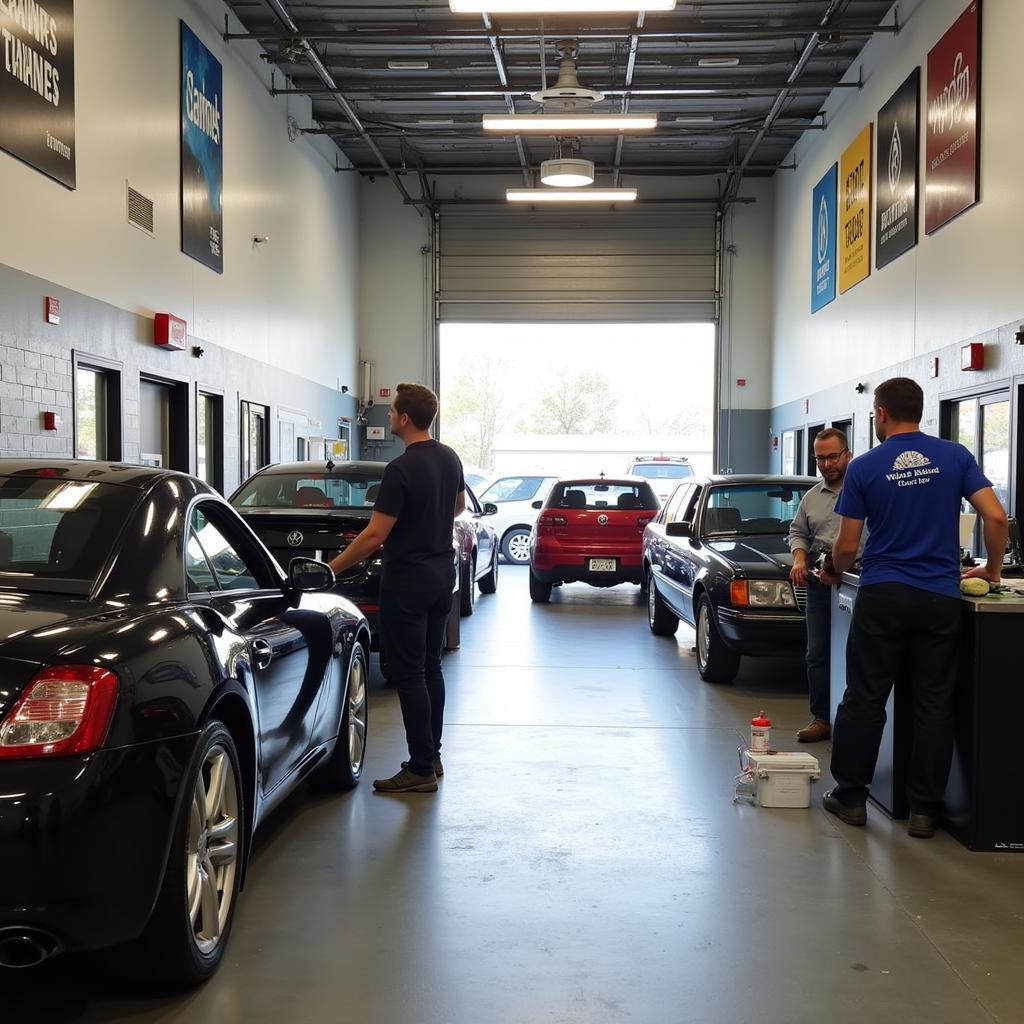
<point>290,302</point>
<point>961,281</point>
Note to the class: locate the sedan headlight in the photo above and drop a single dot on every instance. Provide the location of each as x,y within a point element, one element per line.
<point>762,594</point>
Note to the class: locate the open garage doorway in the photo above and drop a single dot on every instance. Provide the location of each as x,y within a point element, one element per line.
<point>525,404</point>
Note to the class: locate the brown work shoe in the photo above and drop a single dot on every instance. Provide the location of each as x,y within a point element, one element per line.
<point>816,732</point>
<point>407,781</point>
<point>438,767</point>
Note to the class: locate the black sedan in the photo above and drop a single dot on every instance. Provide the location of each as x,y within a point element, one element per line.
<point>316,509</point>
<point>163,685</point>
<point>717,557</point>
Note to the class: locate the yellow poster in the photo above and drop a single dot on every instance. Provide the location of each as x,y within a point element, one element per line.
<point>855,211</point>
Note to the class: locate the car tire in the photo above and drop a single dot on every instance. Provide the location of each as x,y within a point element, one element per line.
<point>515,545</point>
<point>343,769</point>
<point>540,592</point>
<point>716,663</point>
<point>662,620</point>
<point>467,589</point>
<point>182,944</point>
<point>489,583</point>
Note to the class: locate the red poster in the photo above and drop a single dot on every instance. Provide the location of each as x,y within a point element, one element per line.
<point>951,150</point>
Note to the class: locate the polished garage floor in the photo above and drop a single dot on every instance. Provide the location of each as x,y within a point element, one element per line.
<point>584,862</point>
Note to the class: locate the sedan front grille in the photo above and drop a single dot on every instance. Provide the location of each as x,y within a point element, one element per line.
<point>801,597</point>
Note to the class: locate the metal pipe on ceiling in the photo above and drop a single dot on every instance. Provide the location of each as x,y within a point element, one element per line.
<point>634,45</point>
<point>642,170</point>
<point>499,63</point>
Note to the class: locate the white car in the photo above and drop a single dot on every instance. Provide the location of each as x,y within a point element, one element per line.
<point>662,472</point>
<point>515,496</point>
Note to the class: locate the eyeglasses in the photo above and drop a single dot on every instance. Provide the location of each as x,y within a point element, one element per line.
<point>832,457</point>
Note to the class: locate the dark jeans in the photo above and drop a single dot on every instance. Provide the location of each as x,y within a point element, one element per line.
<point>908,637</point>
<point>819,648</point>
<point>412,632</point>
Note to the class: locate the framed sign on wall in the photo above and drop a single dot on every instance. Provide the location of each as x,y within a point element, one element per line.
<point>202,152</point>
<point>855,211</point>
<point>896,172</point>
<point>37,86</point>
<point>952,149</point>
<point>823,240</point>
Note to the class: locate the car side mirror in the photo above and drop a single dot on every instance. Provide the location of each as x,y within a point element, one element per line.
<point>536,504</point>
<point>490,509</point>
<point>679,530</point>
<point>308,576</point>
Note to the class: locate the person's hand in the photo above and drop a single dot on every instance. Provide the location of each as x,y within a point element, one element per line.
<point>798,574</point>
<point>981,572</point>
<point>828,578</point>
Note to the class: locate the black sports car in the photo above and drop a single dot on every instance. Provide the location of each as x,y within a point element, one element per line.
<point>717,557</point>
<point>163,685</point>
<point>316,509</point>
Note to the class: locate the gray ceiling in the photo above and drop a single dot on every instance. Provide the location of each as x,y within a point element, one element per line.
<point>791,55</point>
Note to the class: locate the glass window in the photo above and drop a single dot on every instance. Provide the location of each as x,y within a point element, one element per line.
<point>788,452</point>
<point>253,438</point>
<point>91,413</point>
<point>209,444</point>
<point>995,447</point>
<point>198,570</point>
<point>513,488</point>
<point>339,489</point>
<point>232,571</point>
<point>662,470</point>
<point>752,508</point>
<point>679,503</point>
<point>59,530</point>
<point>599,494</point>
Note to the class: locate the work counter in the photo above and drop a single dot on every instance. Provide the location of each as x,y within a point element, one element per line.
<point>981,809</point>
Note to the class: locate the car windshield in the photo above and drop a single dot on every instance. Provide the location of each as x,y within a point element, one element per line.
<point>662,471</point>
<point>598,494</point>
<point>747,509</point>
<point>513,488</point>
<point>57,534</point>
<point>339,489</point>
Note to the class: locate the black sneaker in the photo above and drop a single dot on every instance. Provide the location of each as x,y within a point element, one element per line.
<point>407,781</point>
<point>438,767</point>
<point>850,815</point>
<point>922,826</point>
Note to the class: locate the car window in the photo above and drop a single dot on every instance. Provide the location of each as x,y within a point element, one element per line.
<point>598,494</point>
<point>513,488</point>
<point>661,470</point>
<point>198,571</point>
<point>472,504</point>
<point>679,503</point>
<point>231,569</point>
<point>309,490</point>
<point>53,529</point>
<point>752,508</point>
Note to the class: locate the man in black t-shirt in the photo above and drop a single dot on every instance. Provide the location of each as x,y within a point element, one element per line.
<point>420,495</point>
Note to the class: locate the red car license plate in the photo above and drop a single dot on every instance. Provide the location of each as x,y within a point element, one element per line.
<point>602,565</point>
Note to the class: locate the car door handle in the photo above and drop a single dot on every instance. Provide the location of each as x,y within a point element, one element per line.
<point>263,653</point>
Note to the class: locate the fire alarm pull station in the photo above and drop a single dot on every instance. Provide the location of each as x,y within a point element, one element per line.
<point>972,356</point>
<point>170,331</point>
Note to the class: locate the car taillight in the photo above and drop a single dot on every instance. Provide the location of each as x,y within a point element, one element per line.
<point>546,524</point>
<point>64,710</point>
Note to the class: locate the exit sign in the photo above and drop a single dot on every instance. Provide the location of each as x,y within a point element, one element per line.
<point>384,393</point>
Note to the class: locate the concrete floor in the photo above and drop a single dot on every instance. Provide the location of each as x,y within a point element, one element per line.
<point>584,862</point>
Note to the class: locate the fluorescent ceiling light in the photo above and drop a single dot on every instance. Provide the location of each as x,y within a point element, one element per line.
<point>558,195</point>
<point>557,6</point>
<point>718,62</point>
<point>408,65</point>
<point>569,124</point>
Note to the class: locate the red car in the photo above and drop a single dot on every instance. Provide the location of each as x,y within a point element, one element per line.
<point>590,531</point>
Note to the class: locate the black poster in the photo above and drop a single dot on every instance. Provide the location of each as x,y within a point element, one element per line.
<point>896,174</point>
<point>37,85</point>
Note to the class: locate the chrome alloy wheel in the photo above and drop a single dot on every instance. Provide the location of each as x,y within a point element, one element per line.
<point>212,848</point>
<point>703,635</point>
<point>357,715</point>
<point>519,548</point>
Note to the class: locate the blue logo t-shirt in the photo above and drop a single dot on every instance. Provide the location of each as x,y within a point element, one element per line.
<point>909,489</point>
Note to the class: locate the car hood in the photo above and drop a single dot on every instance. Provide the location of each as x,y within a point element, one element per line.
<point>758,555</point>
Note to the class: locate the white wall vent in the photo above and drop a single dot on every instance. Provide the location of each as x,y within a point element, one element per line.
<point>140,210</point>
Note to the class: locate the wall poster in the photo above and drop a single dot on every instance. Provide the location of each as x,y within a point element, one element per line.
<point>37,85</point>
<point>855,211</point>
<point>202,152</point>
<point>823,240</point>
<point>951,148</point>
<point>896,172</point>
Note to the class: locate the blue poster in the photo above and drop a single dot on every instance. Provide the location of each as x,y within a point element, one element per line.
<point>202,152</point>
<point>823,240</point>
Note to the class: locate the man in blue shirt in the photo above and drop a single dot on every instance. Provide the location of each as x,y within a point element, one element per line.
<point>906,622</point>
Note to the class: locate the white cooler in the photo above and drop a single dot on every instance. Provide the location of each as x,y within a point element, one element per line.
<point>783,779</point>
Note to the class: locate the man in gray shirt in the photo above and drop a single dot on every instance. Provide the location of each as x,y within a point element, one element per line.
<point>813,531</point>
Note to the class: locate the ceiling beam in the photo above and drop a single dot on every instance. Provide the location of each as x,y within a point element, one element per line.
<point>634,44</point>
<point>499,63</point>
<point>641,170</point>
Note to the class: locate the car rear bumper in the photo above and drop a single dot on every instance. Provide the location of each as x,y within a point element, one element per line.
<point>763,633</point>
<point>84,840</point>
<point>578,571</point>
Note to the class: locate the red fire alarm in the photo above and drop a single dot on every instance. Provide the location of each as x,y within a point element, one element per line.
<point>775,443</point>
<point>51,421</point>
<point>52,310</point>
<point>972,356</point>
<point>170,331</point>
<point>384,393</point>
<point>741,382</point>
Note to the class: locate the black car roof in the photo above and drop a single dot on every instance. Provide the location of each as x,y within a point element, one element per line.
<point>123,473</point>
<point>357,467</point>
<point>757,478</point>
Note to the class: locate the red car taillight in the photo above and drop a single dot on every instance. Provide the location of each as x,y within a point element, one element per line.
<point>64,710</point>
<point>546,524</point>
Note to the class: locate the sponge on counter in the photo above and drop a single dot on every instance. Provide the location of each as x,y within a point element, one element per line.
<point>974,587</point>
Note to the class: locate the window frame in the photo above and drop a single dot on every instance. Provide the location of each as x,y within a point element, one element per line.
<point>113,371</point>
<point>217,396</point>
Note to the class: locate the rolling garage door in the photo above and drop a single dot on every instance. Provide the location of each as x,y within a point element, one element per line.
<point>654,265</point>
